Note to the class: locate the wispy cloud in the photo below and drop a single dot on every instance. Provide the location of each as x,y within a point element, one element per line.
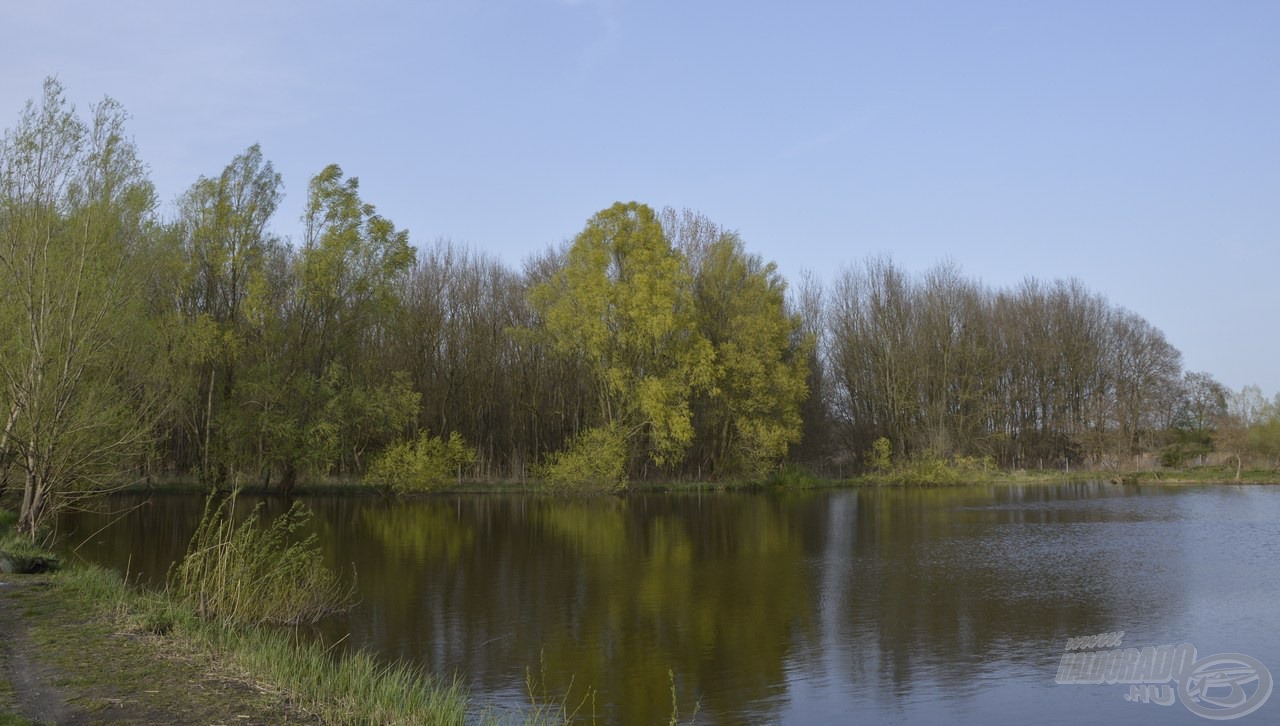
<point>610,24</point>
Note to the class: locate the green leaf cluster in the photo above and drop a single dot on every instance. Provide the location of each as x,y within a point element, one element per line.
<point>423,464</point>
<point>750,414</point>
<point>622,304</point>
<point>880,457</point>
<point>594,461</point>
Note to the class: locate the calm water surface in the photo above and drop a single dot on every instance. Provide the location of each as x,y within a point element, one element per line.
<point>870,606</point>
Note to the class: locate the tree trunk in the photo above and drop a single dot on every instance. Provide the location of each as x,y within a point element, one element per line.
<point>34,497</point>
<point>288,479</point>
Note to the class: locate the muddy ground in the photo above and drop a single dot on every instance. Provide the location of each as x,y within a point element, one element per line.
<point>65,662</point>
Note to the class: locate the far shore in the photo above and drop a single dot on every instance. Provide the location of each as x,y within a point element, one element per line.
<point>355,487</point>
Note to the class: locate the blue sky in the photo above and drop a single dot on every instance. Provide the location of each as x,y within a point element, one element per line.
<point>1133,145</point>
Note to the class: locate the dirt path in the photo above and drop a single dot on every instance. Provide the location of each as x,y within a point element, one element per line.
<point>31,693</point>
<point>60,665</point>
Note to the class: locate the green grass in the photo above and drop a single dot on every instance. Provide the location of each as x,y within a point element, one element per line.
<point>1203,475</point>
<point>350,689</point>
<point>14,544</point>
<point>73,634</point>
<point>353,689</point>
<point>7,702</point>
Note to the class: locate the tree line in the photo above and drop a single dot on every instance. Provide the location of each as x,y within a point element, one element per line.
<point>197,342</point>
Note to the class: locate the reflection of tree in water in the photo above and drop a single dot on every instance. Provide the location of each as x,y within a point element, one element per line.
<point>715,591</point>
<point>143,535</point>
<point>941,583</point>
<point>869,592</point>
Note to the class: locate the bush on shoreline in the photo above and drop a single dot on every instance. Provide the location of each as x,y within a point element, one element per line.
<point>425,464</point>
<point>595,461</point>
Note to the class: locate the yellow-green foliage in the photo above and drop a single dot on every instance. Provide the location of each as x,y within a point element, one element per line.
<point>422,465</point>
<point>880,458</point>
<point>930,469</point>
<point>595,461</point>
<point>622,304</point>
<point>250,573</point>
<point>751,413</point>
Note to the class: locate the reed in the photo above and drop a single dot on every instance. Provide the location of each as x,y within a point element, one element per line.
<point>251,572</point>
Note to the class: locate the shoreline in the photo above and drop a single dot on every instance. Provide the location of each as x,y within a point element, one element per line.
<point>55,636</point>
<point>348,487</point>
<point>168,666</point>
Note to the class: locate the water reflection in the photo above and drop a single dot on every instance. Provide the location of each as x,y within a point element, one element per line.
<point>893,604</point>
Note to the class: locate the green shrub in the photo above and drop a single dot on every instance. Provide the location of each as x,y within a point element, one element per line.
<point>422,465</point>
<point>880,458</point>
<point>596,460</point>
<point>792,476</point>
<point>927,468</point>
<point>1173,456</point>
<point>15,545</point>
<point>981,466</point>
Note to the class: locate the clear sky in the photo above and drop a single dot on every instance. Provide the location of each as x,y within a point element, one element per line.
<point>1134,145</point>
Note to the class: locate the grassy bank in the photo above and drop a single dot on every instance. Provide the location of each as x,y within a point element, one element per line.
<point>1202,475</point>
<point>66,658</point>
<point>911,474</point>
<point>163,655</point>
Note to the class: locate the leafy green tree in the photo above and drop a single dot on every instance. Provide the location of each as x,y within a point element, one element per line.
<point>1201,404</point>
<point>750,414</point>
<point>341,291</point>
<point>1264,436</point>
<point>622,304</point>
<point>880,457</point>
<point>347,269</point>
<point>224,244</point>
<point>1249,428</point>
<point>78,361</point>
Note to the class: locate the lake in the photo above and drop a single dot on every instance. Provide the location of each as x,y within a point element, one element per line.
<point>876,605</point>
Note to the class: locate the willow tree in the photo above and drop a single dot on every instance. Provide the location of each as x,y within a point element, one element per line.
<point>225,243</point>
<point>750,414</point>
<point>325,398</point>
<point>76,365</point>
<point>622,305</point>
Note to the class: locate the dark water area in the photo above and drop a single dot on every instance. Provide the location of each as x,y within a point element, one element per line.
<point>870,606</point>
